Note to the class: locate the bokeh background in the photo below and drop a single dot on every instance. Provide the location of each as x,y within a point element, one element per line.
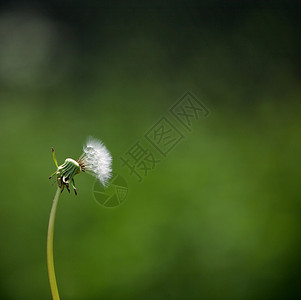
<point>219,217</point>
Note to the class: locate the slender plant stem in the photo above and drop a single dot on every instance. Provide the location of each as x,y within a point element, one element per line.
<point>50,263</point>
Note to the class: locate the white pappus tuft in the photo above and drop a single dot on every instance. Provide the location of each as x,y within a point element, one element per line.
<point>96,160</point>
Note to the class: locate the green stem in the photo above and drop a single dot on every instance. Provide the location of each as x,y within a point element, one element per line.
<point>50,263</point>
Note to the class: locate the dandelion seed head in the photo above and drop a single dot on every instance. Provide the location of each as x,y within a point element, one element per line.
<point>96,160</point>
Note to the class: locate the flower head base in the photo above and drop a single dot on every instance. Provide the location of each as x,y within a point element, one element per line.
<point>96,160</point>
<point>65,173</point>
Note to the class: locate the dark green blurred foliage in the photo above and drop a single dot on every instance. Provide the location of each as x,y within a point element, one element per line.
<point>219,218</point>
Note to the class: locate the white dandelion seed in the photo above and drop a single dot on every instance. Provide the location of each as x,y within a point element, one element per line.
<point>96,160</point>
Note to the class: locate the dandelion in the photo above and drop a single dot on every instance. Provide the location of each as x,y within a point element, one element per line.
<point>96,160</point>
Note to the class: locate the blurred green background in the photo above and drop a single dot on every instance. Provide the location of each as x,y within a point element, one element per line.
<point>219,217</point>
